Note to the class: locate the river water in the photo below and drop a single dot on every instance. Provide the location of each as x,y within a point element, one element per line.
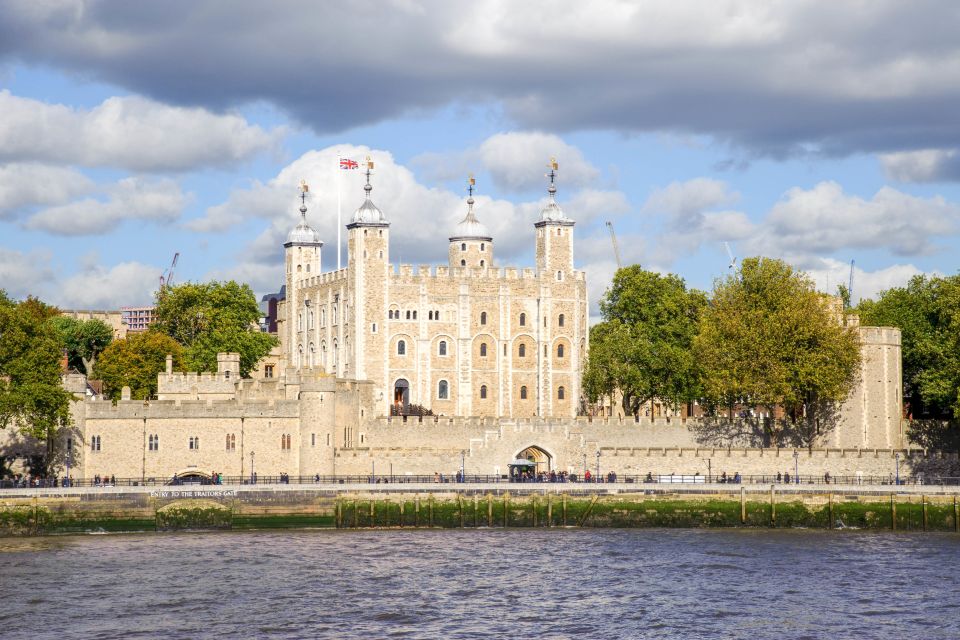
<point>782,585</point>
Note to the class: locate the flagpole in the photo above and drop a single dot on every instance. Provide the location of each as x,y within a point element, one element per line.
<point>339,171</point>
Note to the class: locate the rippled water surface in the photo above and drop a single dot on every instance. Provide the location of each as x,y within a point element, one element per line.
<point>470,584</point>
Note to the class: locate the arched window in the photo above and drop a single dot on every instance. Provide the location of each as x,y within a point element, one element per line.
<point>559,350</point>
<point>443,390</point>
<point>408,314</point>
<point>429,315</point>
<point>560,320</point>
<point>311,356</point>
<point>483,317</point>
<point>336,353</point>
<point>310,320</point>
<point>401,348</point>
<point>463,246</point>
<point>443,348</point>
<point>463,263</point>
<point>560,393</point>
<point>483,349</point>
<point>523,319</point>
<point>323,317</point>
<point>522,351</point>
<point>481,263</point>
<point>559,275</point>
<point>483,246</point>
<point>523,393</point>
<point>483,392</point>
<point>323,353</point>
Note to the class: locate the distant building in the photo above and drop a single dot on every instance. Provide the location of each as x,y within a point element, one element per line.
<point>137,319</point>
<point>268,310</point>
<point>113,319</point>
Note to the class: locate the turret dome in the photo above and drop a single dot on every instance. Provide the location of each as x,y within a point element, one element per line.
<point>303,233</point>
<point>470,228</point>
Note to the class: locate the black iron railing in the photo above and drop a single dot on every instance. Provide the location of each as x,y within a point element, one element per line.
<point>618,479</point>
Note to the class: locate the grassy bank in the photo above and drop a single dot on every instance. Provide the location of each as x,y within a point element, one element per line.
<point>372,510</point>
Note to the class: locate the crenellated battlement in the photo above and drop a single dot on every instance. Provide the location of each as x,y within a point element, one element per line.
<point>328,277</point>
<point>408,273</point>
<point>189,409</point>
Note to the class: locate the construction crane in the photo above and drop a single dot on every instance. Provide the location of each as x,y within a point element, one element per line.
<point>166,279</point>
<point>616,248</point>
<point>850,283</point>
<point>733,258</point>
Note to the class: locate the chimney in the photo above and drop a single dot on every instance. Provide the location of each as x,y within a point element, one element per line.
<point>169,364</point>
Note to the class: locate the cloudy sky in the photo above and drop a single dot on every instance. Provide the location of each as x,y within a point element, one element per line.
<point>816,131</point>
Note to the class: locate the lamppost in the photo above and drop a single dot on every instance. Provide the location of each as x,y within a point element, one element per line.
<point>796,466</point>
<point>373,471</point>
<point>598,465</point>
<point>253,476</point>
<point>463,464</point>
<point>897,458</point>
<point>584,464</point>
<point>69,459</point>
<point>709,469</point>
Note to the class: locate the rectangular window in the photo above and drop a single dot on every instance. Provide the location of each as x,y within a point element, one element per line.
<point>268,371</point>
<point>154,442</point>
<point>313,439</point>
<point>95,443</point>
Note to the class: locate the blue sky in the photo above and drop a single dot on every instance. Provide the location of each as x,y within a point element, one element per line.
<point>818,132</point>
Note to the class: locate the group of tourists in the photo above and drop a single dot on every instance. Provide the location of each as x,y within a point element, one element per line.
<point>24,481</point>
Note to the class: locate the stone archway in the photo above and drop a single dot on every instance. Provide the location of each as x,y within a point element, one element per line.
<point>190,476</point>
<point>537,455</point>
<point>401,397</point>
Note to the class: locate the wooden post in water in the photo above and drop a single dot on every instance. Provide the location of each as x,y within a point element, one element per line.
<point>373,521</point>
<point>533,503</point>
<point>743,505</point>
<point>830,511</point>
<point>923,502</point>
<point>460,503</point>
<point>564,509</point>
<point>489,510</point>
<point>416,510</point>
<point>338,514</point>
<point>956,512</point>
<point>549,510</point>
<point>476,510</point>
<point>773,508</point>
<point>403,502</point>
<point>430,506</point>
<point>893,513</point>
<point>356,515</point>
<point>506,508</point>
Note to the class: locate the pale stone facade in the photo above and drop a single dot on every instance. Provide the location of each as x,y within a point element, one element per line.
<point>469,338</point>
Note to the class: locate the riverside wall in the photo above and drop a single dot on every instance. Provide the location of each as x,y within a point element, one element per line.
<point>397,505</point>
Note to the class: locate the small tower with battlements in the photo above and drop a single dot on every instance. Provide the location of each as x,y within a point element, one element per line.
<point>554,233</point>
<point>471,244</point>
<point>368,246</point>
<point>302,257</point>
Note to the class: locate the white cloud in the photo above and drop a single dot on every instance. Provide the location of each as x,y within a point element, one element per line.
<point>99,287</point>
<point>515,161</point>
<point>828,273</point>
<point>128,132</point>
<point>129,199</point>
<point>825,219</point>
<point>685,202</point>
<point>24,274</point>
<point>93,286</point>
<point>926,165</point>
<point>422,218</point>
<point>25,185</point>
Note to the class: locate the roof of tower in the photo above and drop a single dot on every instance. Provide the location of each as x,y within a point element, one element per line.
<point>368,213</point>
<point>470,228</point>
<point>552,212</point>
<point>303,233</point>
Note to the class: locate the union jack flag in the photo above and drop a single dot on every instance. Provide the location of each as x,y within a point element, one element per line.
<point>347,163</point>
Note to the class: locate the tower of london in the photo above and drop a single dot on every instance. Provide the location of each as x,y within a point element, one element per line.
<point>470,338</point>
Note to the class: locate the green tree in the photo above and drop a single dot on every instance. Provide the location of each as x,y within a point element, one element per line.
<point>32,397</point>
<point>135,361</point>
<point>213,317</point>
<point>769,338</point>
<point>643,346</point>
<point>927,312</point>
<point>83,340</point>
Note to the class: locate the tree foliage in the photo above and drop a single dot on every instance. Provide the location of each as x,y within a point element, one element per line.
<point>135,361</point>
<point>643,346</point>
<point>769,338</point>
<point>209,318</point>
<point>83,340</point>
<point>32,397</point>
<point>927,311</point>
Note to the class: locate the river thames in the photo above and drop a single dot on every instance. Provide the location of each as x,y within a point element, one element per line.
<point>489,583</point>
